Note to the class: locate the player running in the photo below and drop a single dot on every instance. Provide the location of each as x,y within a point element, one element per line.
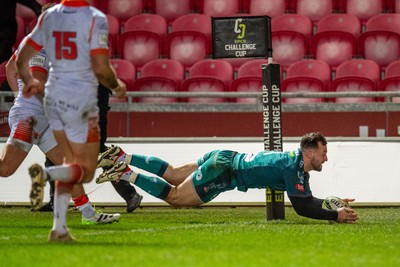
<point>75,37</point>
<point>30,126</point>
<point>200,181</point>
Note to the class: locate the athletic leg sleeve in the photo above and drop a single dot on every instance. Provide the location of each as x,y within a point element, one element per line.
<point>155,186</point>
<point>151,164</point>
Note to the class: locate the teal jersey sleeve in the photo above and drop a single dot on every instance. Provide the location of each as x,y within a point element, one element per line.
<point>275,170</point>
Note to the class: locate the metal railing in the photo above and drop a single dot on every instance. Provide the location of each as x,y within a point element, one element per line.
<point>131,106</point>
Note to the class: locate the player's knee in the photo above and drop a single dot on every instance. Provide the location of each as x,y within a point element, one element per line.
<point>87,175</point>
<point>173,198</point>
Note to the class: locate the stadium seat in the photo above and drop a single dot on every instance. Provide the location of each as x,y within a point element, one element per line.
<point>172,9</point>
<point>249,79</point>
<point>313,9</point>
<point>142,39</point>
<point>218,8</point>
<point>3,70</point>
<point>208,75</point>
<point>357,75</point>
<point>391,82</point>
<point>26,13</point>
<point>336,39</point>
<point>290,37</point>
<point>307,76</point>
<point>381,40</point>
<point>272,8</point>
<point>140,47</point>
<point>163,75</point>
<point>193,22</point>
<point>363,9</point>
<point>147,22</point>
<point>114,31</point>
<point>125,70</point>
<point>121,9</point>
<point>21,31</point>
<point>190,39</point>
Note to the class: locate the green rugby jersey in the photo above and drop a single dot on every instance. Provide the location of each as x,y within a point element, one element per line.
<point>275,170</point>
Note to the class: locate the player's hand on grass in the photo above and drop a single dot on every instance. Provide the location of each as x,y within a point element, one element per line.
<point>346,215</point>
<point>120,90</point>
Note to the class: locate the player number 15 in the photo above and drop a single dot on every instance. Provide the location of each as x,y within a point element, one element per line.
<point>65,45</point>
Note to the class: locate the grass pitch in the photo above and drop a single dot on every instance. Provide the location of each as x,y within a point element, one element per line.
<point>202,237</point>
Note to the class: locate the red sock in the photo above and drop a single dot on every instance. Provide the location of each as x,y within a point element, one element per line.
<point>82,200</point>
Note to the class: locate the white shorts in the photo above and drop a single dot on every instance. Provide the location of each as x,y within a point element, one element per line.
<point>73,109</point>
<point>28,128</point>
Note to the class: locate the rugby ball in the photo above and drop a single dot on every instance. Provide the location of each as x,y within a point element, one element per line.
<point>333,203</point>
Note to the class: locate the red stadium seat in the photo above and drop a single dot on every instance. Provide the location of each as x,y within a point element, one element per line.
<point>360,75</point>
<point>249,79</point>
<point>381,40</point>
<point>3,70</point>
<point>142,39</point>
<point>190,39</point>
<point>21,31</point>
<point>290,36</point>
<point>26,13</point>
<point>161,75</point>
<point>208,75</point>
<point>125,70</point>
<point>121,9</point>
<point>147,22</point>
<point>362,9</point>
<point>114,31</point>
<point>392,79</point>
<point>336,39</point>
<point>187,47</point>
<point>218,8</point>
<point>172,9</point>
<point>140,47</point>
<point>313,9</point>
<point>272,8</point>
<point>307,76</point>
<point>193,22</point>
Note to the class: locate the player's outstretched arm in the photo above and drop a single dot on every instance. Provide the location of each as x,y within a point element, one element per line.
<point>311,207</point>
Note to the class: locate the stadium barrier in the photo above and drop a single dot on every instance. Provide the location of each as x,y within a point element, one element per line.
<point>364,168</point>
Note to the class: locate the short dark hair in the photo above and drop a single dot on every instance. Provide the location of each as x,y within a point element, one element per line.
<point>311,140</point>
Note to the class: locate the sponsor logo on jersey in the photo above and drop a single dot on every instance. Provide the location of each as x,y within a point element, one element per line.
<point>199,175</point>
<point>103,39</point>
<point>300,187</point>
<point>300,175</point>
<point>38,60</point>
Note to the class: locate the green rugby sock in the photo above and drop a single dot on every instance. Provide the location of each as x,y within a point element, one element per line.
<point>155,186</point>
<point>151,164</point>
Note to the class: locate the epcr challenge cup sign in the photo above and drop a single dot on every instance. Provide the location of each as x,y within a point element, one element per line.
<point>239,37</point>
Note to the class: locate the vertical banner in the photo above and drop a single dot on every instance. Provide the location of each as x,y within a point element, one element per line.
<point>272,126</point>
